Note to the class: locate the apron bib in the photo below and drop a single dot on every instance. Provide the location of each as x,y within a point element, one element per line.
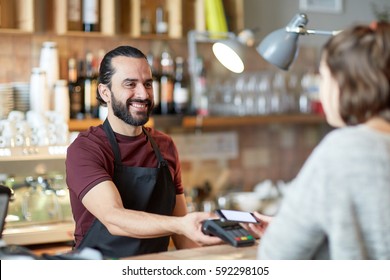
<point>143,189</point>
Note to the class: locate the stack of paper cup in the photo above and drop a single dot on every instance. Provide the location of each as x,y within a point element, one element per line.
<point>61,99</point>
<point>49,62</point>
<point>39,96</point>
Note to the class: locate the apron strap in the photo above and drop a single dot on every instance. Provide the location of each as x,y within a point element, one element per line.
<point>115,147</point>
<point>161,160</point>
<point>111,137</point>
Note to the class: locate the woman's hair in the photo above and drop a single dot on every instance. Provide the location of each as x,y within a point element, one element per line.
<point>359,60</point>
<point>106,70</point>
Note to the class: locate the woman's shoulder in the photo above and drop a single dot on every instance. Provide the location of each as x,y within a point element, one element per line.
<point>359,135</point>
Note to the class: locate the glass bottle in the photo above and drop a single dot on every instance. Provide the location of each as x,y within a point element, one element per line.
<point>76,91</point>
<point>161,22</point>
<point>180,91</point>
<point>154,66</point>
<point>167,82</point>
<point>90,88</point>
<point>74,15</point>
<point>90,15</point>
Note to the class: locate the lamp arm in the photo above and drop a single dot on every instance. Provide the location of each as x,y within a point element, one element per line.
<point>323,32</point>
<point>303,31</point>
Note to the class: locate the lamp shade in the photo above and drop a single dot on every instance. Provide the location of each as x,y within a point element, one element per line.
<point>279,48</point>
<point>229,53</point>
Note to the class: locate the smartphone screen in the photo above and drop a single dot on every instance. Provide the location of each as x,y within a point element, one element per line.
<point>237,216</point>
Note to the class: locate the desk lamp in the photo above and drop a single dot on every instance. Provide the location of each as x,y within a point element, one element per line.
<point>280,47</point>
<point>229,52</point>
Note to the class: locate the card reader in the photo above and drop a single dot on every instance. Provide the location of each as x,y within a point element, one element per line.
<point>229,231</point>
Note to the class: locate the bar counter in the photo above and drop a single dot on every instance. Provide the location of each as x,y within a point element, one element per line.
<point>216,252</point>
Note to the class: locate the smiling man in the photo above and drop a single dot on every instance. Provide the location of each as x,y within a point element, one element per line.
<point>124,179</point>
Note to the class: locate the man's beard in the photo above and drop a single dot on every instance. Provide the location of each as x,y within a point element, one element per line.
<point>122,111</point>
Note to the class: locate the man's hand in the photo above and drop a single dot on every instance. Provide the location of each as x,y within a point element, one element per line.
<point>192,228</point>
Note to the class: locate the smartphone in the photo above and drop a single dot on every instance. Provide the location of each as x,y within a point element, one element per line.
<point>236,216</point>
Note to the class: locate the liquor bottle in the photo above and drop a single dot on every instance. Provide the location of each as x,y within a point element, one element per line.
<point>200,98</point>
<point>161,22</point>
<point>180,91</point>
<point>90,87</point>
<point>90,15</point>
<point>146,22</point>
<point>74,15</point>
<point>76,91</point>
<point>167,83</point>
<point>154,66</point>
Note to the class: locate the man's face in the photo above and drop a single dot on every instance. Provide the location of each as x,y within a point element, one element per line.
<point>131,90</point>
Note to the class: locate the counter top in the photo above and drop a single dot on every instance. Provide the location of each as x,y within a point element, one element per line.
<point>216,252</point>
<point>39,233</point>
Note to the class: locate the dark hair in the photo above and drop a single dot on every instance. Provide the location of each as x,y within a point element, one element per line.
<point>359,59</point>
<point>106,70</point>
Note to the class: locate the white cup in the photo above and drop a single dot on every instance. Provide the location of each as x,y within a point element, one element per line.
<point>16,116</point>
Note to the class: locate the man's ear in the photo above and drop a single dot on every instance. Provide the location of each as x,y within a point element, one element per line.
<point>104,92</point>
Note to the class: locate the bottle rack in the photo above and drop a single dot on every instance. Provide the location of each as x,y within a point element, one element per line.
<point>116,17</point>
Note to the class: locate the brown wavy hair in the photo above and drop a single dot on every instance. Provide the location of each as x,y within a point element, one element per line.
<point>359,60</point>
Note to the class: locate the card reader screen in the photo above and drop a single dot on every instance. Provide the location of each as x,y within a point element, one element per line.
<point>239,216</point>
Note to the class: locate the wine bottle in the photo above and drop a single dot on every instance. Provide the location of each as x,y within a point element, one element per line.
<point>180,91</point>
<point>90,15</point>
<point>76,91</point>
<point>154,66</point>
<point>90,88</point>
<point>167,83</point>
<point>74,15</point>
<point>161,23</point>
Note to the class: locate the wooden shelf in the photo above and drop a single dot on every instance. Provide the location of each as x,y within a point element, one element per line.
<point>51,16</point>
<point>80,125</point>
<point>214,121</point>
<point>33,153</point>
<point>223,121</point>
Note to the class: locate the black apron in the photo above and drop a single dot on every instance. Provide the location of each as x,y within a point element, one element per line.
<point>141,188</point>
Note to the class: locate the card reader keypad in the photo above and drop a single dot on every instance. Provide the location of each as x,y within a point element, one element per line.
<point>231,232</point>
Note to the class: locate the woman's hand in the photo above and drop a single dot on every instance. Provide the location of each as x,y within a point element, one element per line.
<point>258,229</point>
